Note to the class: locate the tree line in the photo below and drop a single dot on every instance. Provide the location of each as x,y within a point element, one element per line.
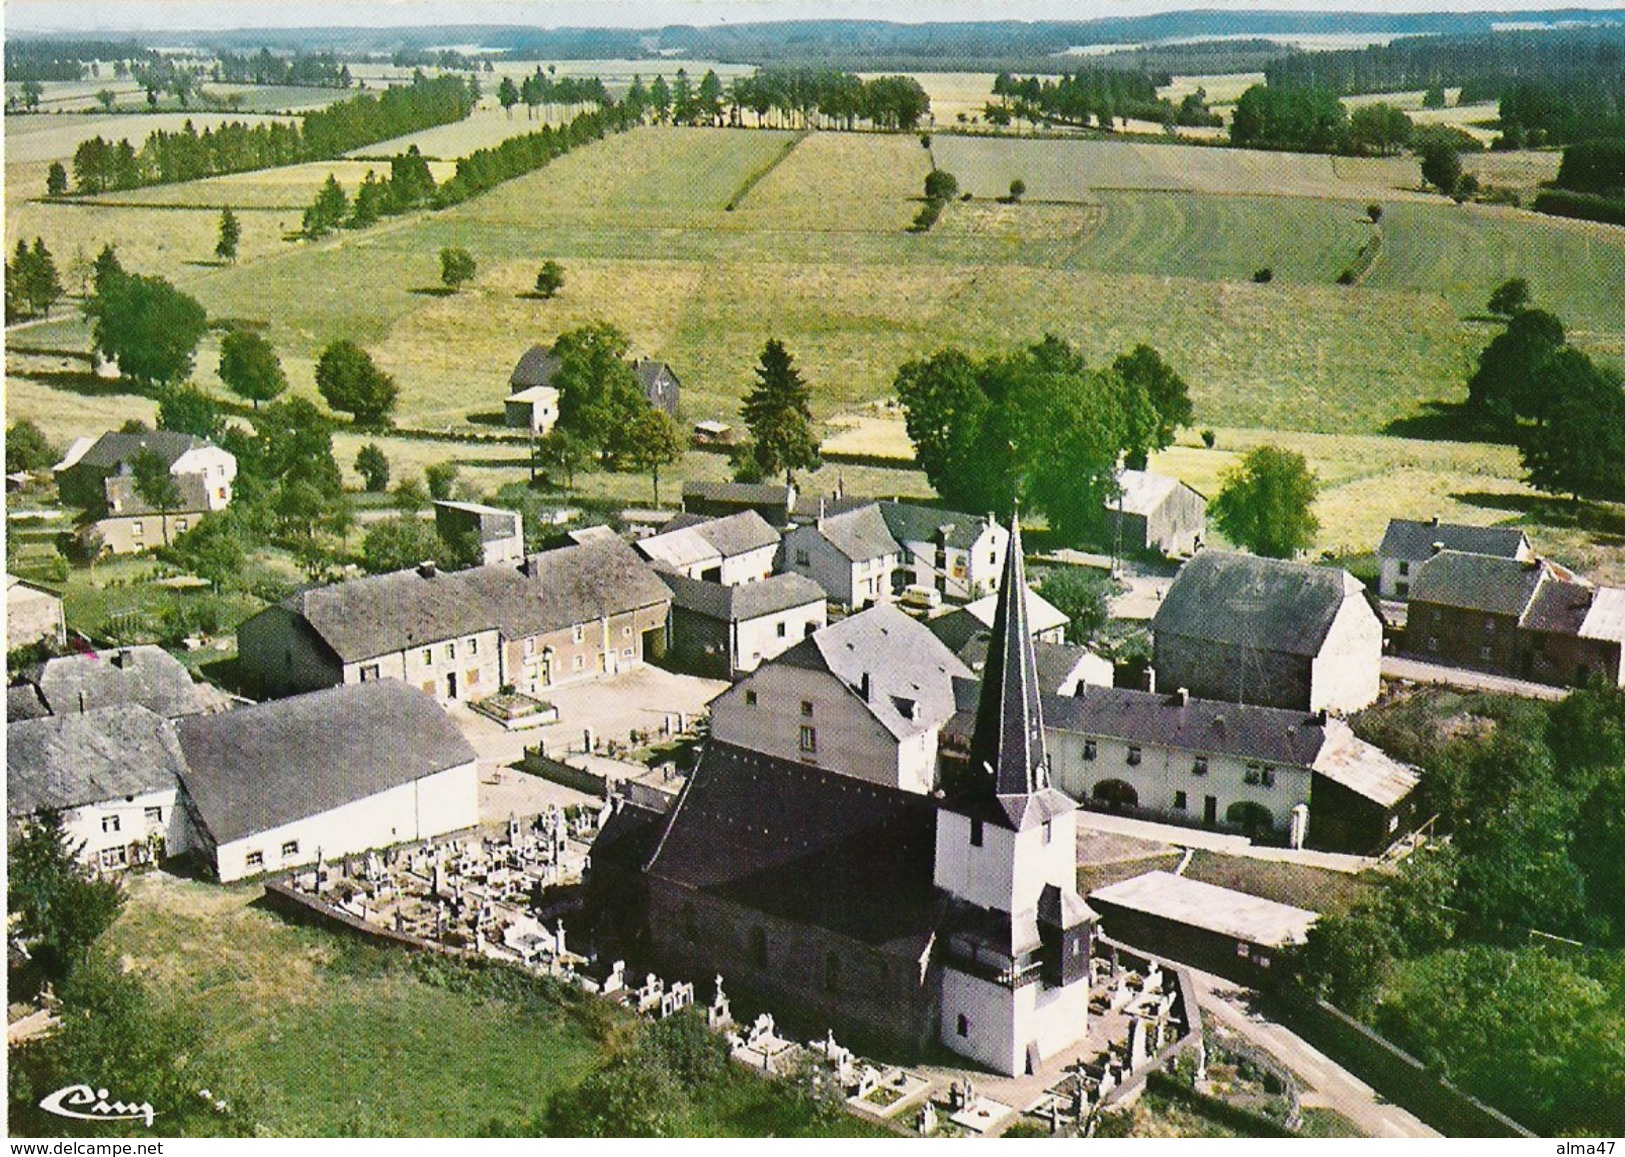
<point>805,97</point>
<point>100,165</point>
<point>307,70</point>
<point>1098,94</point>
<point>1590,183</point>
<point>541,88</point>
<point>57,60</point>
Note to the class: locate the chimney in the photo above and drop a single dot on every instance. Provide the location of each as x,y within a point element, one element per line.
<point>84,700</point>
<point>1434,521</point>
<point>427,569</point>
<point>1149,679</point>
<point>1183,697</point>
<point>1320,717</point>
<point>1437,547</point>
<point>124,659</point>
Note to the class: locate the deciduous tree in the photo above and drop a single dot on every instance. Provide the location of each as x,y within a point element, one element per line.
<point>147,326</point>
<point>231,232</point>
<point>1267,503</point>
<point>249,367</point>
<point>156,485</point>
<point>373,466</point>
<point>456,266</point>
<point>350,382</point>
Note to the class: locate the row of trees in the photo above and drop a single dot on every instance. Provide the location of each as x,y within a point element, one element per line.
<point>543,88</point>
<point>307,70</point>
<point>802,97</point>
<point>1037,425</point>
<point>1099,94</point>
<point>409,185</point>
<point>185,155</point>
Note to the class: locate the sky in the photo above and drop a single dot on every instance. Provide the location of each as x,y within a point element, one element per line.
<point>133,15</point>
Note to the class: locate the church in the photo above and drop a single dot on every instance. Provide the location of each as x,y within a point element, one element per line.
<point>911,921</point>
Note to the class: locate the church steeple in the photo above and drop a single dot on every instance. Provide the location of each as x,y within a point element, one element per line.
<point>1008,740</point>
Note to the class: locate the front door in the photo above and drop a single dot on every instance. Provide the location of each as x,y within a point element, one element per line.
<point>451,685</point>
<point>1210,809</point>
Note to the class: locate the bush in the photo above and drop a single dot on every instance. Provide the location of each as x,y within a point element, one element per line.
<point>941,185</point>
<point>1583,206</point>
<point>929,212</point>
<point>1209,438</point>
<point>1374,212</point>
<point>1346,277</point>
<point>1264,276</point>
<point>440,478</point>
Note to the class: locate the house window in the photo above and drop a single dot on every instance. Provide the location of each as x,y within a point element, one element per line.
<point>1489,626</point>
<point>1090,749</point>
<point>428,656</point>
<point>962,1025</point>
<point>1436,614</point>
<point>254,859</point>
<point>1402,589</point>
<point>626,653</point>
<point>1199,766</point>
<point>530,647</point>
<point>809,740</point>
<point>976,833</point>
<point>1252,774</point>
<point>1241,949</point>
<point>626,632</point>
<point>155,815</point>
<point>369,673</point>
<point>135,528</point>
<point>110,823</point>
<point>806,707</point>
<point>451,651</point>
<point>802,559</point>
<point>1267,777</point>
<point>1179,801</point>
<point>113,857</point>
<point>1404,568</point>
<point>291,848</point>
<point>473,646</point>
<point>780,630</point>
<point>1433,643</point>
<point>1134,756</point>
<point>578,633</point>
<point>180,526</point>
<point>1485,652</point>
<point>577,664</point>
<point>750,698</point>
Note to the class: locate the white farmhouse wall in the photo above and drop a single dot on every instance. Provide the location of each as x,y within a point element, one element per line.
<point>752,566</point>
<point>217,467</point>
<point>1347,674</point>
<point>475,661</point>
<point>113,825</point>
<point>758,640</point>
<point>846,737</point>
<point>1052,1018</point>
<point>446,801</point>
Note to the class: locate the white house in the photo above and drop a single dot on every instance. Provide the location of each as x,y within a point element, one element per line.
<point>1045,620</point>
<point>97,476</point>
<point>865,697</point>
<point>112,773</point>
<point>852,555</point>
<point>1408,543</point>
<point>957,555</point>
<point>739,548</point>
<point>729,631</point>
<point>327,774</point>
<point>534,408</point>
<point>499,532</point>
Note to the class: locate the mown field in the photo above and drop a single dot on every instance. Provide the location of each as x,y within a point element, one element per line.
<point>1144,246</point>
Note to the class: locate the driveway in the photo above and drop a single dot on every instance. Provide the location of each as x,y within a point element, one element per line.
<point>1327,1083</point>
<point>1421,671</point>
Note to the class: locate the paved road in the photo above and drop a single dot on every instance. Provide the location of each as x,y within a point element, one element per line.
<point>1327,1083</point>
<point>1419,671</point>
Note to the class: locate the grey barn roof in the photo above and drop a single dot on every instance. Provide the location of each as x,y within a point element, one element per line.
<point>111,449</point>
<point>261,767</point>
<point>743,602</point>
<point>67,761</point>
<point>1275,734</point>
<point>372,616</point>
<point>742,493</point>
<point>192,497</point>
<point>536,367</point>
<point>859,534</point>
<point>1260,603</point>
<point>146,675</point>
<point>910,672</point>
<point>912,522</point>
<point>1479,582</point>
<point>1413,541</point>
<point>1143,492</point>
<point>695,539</point>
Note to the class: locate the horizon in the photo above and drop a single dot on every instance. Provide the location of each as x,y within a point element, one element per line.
<point>158,16</point>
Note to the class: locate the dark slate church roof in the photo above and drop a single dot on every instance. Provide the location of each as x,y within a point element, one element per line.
<point>1260,603</point>
<point>260,767</point>
<point>68,761</point>
<point>1413,541</point>
<point>807,845</point>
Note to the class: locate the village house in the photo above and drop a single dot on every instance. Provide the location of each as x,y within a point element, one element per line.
<point>1408,543</point>
<point>113,774</point>
<point>96,476</point>
<point>578,612</point>
<point>1290,776</point>
<point>33,615</point>
<point>500,533</point>
<point>773,501</point>
<point>659,384</point>
<point>1245,629</point>
<point>1524,618</point>
<point>1062,667</point>
<point>324,775</point>
<point>865,697</point>
<point>728,631</point>
<point>1155,514</point>
<point>144,675</point>
<point>891,916</point>
<point>531,386</point>
<point>957,555</point>
<point>853,556</point>
<point>734,549</point>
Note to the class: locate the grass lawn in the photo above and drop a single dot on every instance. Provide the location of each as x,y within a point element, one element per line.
<point>1317,889</point>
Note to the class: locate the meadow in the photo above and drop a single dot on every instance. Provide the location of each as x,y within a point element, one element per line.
<point>1117,243</point>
